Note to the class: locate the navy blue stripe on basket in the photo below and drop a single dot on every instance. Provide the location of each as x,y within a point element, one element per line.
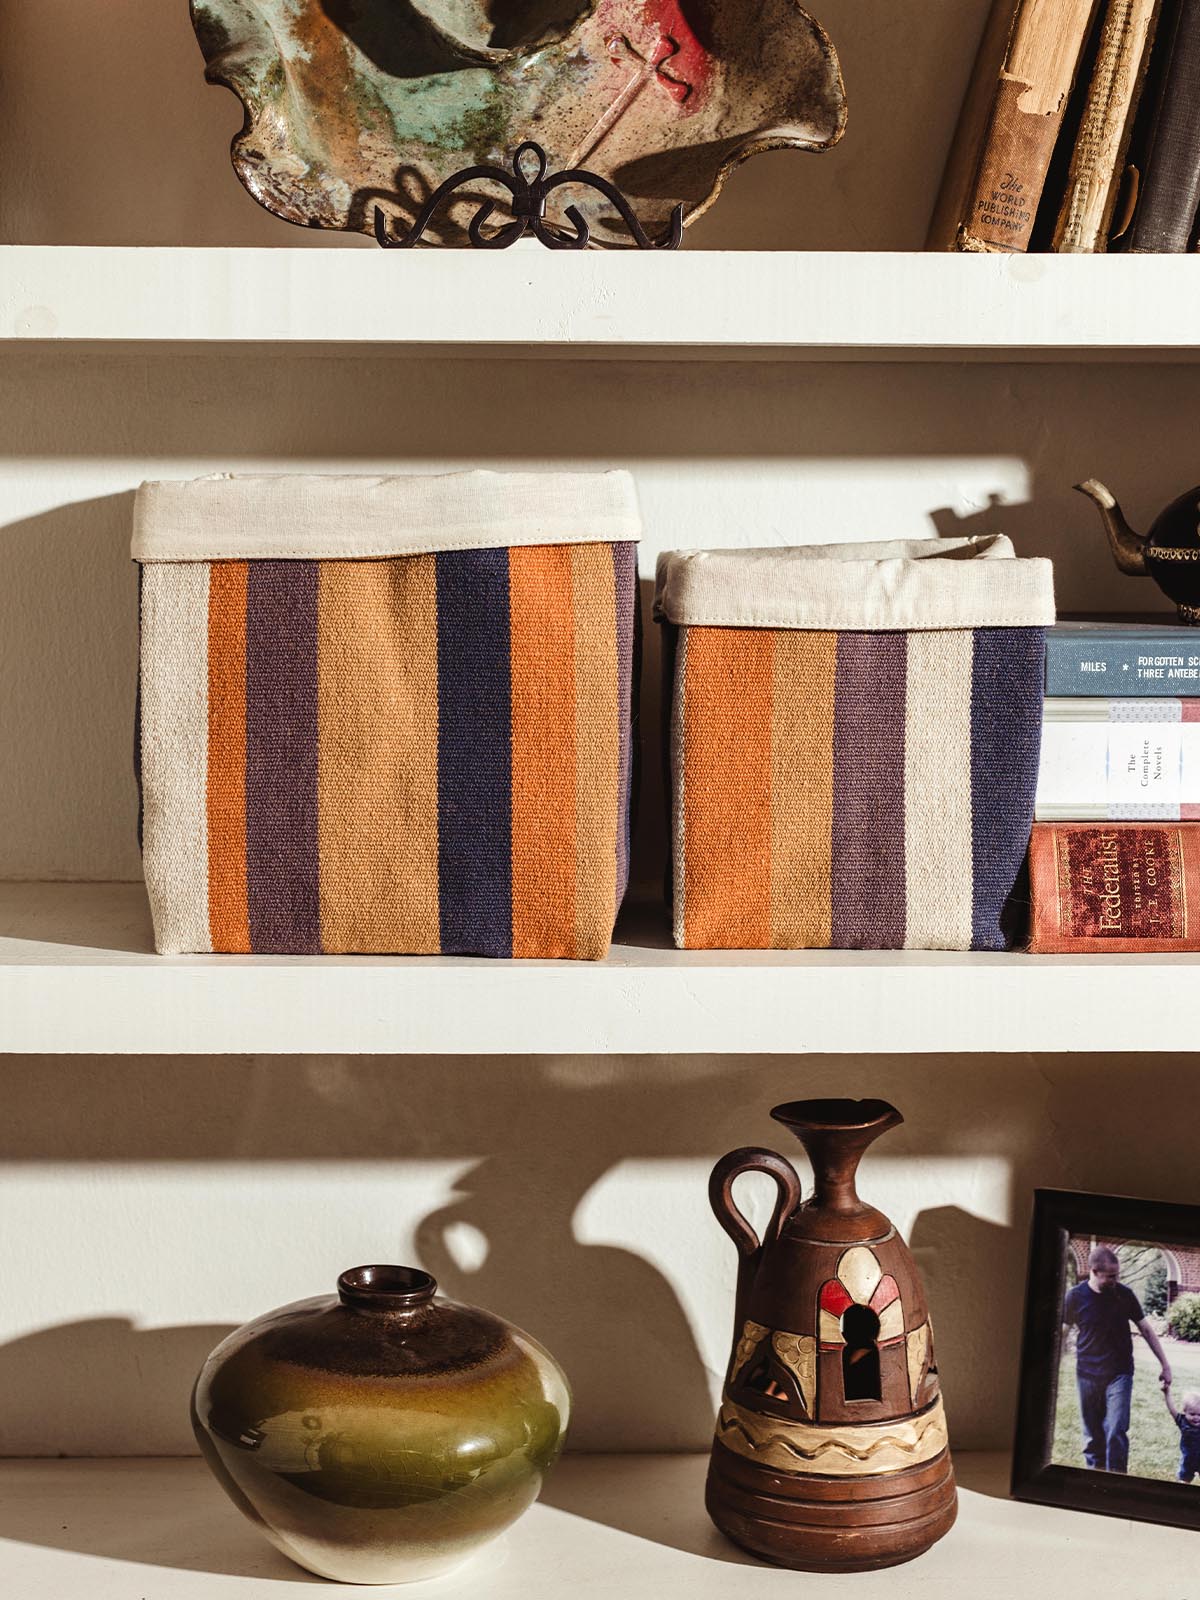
<point>625,587</point>
<point>1006,733</point>
<point>474,753</point>
<point>137,725</point>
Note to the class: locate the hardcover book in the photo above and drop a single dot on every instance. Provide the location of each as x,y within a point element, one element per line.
<point>1165,219</point>
<point>1116,888</point>
<point>1098,157</point>
<point>1010,121</point>
<point>1142,657</point>
<point>1119,759</point>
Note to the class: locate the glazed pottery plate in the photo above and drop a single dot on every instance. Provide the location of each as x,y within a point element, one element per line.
<point>357,104</point>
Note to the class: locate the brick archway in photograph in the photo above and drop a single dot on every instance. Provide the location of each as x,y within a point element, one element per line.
<point>1183,1263</point>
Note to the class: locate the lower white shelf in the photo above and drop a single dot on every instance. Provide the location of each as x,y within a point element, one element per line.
<point>78,975</point>
<point>623,1526</point>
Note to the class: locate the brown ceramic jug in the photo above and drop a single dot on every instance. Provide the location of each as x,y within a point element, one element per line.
<point>830,1451</point>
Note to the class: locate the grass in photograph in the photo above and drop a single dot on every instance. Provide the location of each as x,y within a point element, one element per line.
<point>1153,1437</point>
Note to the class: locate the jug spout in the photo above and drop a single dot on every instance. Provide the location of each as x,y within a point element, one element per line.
<point>1128,547</point>
<point>835,1133</point>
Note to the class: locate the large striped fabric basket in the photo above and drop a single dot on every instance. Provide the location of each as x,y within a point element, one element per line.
<point>853,740</point>
<point>387,714</point>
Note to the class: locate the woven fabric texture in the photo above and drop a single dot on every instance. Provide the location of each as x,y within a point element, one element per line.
<point>419,754</point>
<point>851,790</point>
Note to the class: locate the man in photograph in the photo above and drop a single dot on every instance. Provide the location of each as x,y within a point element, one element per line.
<point>1102,1309</point>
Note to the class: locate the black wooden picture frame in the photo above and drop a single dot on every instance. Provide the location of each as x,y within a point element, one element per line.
<point>1057,1214</point>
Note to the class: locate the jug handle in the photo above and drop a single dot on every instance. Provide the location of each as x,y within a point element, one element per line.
<point>720,1194</point>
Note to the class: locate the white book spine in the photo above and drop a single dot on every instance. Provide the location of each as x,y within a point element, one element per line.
<point>1119,760</point>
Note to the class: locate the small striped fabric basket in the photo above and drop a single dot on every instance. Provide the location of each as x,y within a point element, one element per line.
<point>853,741</point>
<point>387,714</point>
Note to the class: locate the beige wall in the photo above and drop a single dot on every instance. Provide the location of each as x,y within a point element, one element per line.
<point>148,1205</point>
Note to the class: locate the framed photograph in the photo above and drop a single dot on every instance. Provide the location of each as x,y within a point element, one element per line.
<point>1109,1412</point>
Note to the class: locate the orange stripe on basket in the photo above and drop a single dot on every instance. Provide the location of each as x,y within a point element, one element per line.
<point>727,789</point>
<point>228,916</point>
<point>802,790</point>
<point>543,751</point>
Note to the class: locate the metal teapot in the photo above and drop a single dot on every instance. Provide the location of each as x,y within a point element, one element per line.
<point>1169,553</point>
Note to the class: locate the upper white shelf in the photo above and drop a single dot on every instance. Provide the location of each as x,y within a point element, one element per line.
<point>817,306</point>
<point>77,976</point>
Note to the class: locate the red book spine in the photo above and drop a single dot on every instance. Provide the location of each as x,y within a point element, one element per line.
<point>1114,887</point>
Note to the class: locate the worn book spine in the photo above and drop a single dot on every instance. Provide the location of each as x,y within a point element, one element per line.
<point>1008,151</point>
<point>1098,158</point>
<point>1142,666</point>
<point>1169,195</point>
<point>1114,887</point>
<point>1131,760</point>
<point>962,160</point>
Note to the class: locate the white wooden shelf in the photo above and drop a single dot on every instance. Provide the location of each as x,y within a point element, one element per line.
<point>813,306</point>
<point>607,1526</point>
<point>77,974</point>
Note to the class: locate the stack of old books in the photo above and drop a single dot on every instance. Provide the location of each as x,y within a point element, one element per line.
<point>1080,131</point>
<point>1115,856</point>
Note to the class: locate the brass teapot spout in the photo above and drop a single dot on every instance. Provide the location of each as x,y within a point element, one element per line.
<point>1128,548</point>
<point>1169,553</point>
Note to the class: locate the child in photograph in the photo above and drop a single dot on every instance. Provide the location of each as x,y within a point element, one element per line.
<point>1187,1420</point>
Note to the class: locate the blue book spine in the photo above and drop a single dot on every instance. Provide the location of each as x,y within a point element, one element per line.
<point>1117,668</point>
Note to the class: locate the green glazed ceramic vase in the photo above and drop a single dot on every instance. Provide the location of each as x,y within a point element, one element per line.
<point>381,1435</point>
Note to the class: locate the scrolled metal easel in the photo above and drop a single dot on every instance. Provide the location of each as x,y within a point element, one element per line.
<point>529,191</point>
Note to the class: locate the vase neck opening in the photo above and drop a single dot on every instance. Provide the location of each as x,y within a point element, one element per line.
<point>385,1289</point>
<point>835,1133</point>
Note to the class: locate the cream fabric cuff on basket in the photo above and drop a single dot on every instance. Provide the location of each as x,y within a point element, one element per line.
<point>228,517</point>
<point>901,584</point>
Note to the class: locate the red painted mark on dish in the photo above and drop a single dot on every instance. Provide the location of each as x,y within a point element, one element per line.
<point>690,63</point>
<point>656,35</point>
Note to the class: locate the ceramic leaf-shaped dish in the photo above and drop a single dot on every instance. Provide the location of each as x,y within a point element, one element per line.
<point>354,104</point>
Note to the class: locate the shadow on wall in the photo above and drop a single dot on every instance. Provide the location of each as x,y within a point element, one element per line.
<point>625,1276</point>
<point>105,1365</point>
<point>137,150</point>
<point>68,666</point>
<point>620,1318</point>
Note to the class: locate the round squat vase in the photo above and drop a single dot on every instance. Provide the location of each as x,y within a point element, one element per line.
<point>830,1452</point>
<point>382,1434</point>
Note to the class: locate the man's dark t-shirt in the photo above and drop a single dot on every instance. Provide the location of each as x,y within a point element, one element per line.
<point>1104,1345</point>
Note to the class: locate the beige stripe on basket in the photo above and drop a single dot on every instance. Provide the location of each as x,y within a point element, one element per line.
<point>378,773</point>
<point>802,790</point>
<point>174,754</point>
<point>937,791</point>
<point>597,751</point>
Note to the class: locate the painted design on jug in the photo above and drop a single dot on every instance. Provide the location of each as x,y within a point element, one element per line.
<point>842,1452</point>
<point>918,1359</point>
